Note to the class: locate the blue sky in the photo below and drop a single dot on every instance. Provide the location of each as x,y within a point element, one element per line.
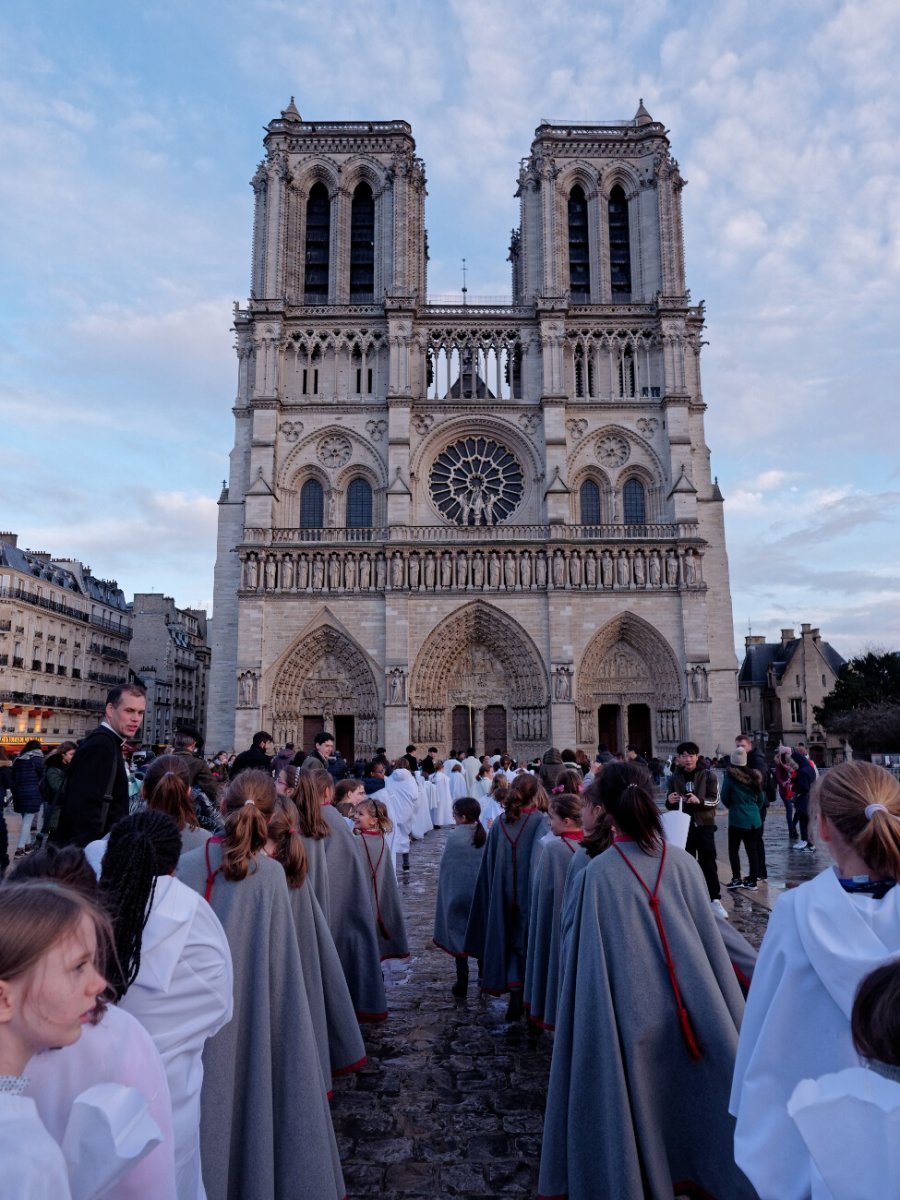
<point>128,136</point>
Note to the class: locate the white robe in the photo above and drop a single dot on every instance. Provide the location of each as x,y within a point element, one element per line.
<point>457,786</point>
<point>820,943</point>
<point>182,996</point>
<point>33,1164</point>
<point>400,795</point>
<point>421,822</point>
<point>490,811</point>
<point>471,767</point>
<point>441,801</point>
<point>117,1050</point>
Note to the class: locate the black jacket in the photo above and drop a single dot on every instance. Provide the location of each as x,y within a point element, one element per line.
<point>201,776</point>
<point>252,759</point>
<point>26,778</point>
<point>86,814</point>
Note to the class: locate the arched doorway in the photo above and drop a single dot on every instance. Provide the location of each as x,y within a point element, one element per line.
<point>479,680</point>
<point>325,681</point>
<point>628,689</point>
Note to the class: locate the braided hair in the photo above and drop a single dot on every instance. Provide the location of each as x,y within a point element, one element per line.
<point>140,849</point>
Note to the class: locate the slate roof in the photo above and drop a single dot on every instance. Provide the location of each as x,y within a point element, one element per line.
<point>758,659</point>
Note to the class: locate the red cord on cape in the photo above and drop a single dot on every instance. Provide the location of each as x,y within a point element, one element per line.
<point>210,873</point>
<point>684,1020</point>
<point>373,871</point>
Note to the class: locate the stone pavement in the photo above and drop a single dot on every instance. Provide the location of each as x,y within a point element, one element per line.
<point>451,1101</point>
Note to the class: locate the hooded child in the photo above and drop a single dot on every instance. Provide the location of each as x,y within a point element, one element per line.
<point>458,875</point>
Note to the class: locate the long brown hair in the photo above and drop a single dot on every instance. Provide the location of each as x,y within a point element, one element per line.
<point>167,789</point>
<point>54,757</point>
<point>525,791</point>
<point>379,811</point>
<point>305,795</point>
<point>626,792</point>
<point>35,916</point>
<point>248,803</point>
<point>601,836</point>
<point>567,806</point>
<point>845,793</point>
<point>289,849</point>
<point>470,812</point>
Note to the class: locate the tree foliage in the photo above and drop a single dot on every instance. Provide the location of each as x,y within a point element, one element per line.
<point>864,706</point>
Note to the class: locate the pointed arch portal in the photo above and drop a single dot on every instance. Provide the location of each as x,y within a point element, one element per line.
<point>479,675</point>
<point>325,681</point>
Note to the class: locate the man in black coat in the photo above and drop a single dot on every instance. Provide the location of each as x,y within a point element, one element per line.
<point>258,757</point>
<point>96,792</point>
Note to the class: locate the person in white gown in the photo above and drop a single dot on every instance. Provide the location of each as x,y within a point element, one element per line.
<point>400,796</point>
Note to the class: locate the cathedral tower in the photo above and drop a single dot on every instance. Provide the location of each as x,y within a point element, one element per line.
<point>470,524</point>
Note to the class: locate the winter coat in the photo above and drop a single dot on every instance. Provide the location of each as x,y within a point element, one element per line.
<point>26,777</point>
<point>550,770</point>
<point>742,795</point>
<point>253,759</point>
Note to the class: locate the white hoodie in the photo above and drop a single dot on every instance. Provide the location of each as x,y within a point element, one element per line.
<point>401,795</point>
<point>820,943</point>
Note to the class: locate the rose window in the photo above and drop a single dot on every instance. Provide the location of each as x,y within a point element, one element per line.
<point>476,481</point>
<point>613,450</point>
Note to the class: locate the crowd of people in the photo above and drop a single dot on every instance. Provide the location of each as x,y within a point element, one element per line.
<point>190,949</point>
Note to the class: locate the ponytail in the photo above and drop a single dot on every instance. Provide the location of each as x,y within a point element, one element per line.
<point>525,791</point>
<point>470,811</point>
<point>167,789</point>
<point>862,801</point>
<point>248,803</point>
<point>626,792</point>
<point>567,805</point>
<point>289,848</point>
<point>601,836</point>
<point>305,796</point>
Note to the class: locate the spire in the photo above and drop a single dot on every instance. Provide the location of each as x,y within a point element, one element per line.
<point>716,490</point>
<point>291,113</point>
<point>642,117</point>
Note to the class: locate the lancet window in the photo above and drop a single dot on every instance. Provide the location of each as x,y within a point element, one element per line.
<point>619,244</point>
<point>589,502</point>
<point>634,503</point>
<point>362,246</point>
<point>579,249</point>
<point>359,504</point>
<point>474,365</point>
<point>318,244</point>
<point>312,505</point>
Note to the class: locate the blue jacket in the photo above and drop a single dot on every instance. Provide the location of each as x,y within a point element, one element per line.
<point>26,777</point>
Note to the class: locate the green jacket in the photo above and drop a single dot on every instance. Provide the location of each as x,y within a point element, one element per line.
<point>743,796</point>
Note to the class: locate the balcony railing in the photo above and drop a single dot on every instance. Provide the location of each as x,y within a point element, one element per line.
<point>19,593</point>
<point>105,623</point>
<point>439,535</point>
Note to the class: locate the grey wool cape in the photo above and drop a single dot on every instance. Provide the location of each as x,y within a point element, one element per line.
<point>542,967</point>
<point>384,895</point>
<point>460,864</point>
<point>658,1119</point>
<point>341,1048</point>
<point>497,932</point>
<point>265,1130</point>
<point>350,918</point>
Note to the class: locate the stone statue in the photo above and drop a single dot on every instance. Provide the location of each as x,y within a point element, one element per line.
<point>247,689</point>
<point>655,570</point>
<point>562,684</point>
<point>671,569</point>
<point>303,572</point>
<point>397,570</point>
<point>623,573</point>
<point>559,570</point>
<point>478,570</point>
<point>606,567</point>
<point>540,570</point>
<point>575,570</point>
<point>270,574</point>
<point>640,572</point>
<point>430,571</point>
<point>287,573</point>
<point>699,683</point>
<point>252,573</point>
<point>590,578</point>
<point>525,568</point>
<point>350,572</point>
<point>690,569</point>
<point>462,569</point>
<point>398,686</point>
<point>493,570</point>
<point>365,573</point>
<point>446,570</point>
<point>380,572</point>
<point>509,570</point>
<point>414,572</point>
<point>334,572</point>
<point>318,573</point>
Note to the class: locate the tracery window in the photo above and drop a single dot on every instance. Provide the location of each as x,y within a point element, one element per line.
<point>312,505</point>
<point>579,253</point>
<point>619,243</point>
<point>362,245</point>
<point>476,481</point>
<point>589,503</point>
<point>626,373</point>
<point>318,244</point>
<point>634,503</point>
<point>359,504</point>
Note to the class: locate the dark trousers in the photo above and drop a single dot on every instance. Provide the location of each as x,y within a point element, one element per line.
<point>761,844</point>
<point>790,817</point>
<point>801,812</point>
<point>749,838</point>
<point>701,843</point>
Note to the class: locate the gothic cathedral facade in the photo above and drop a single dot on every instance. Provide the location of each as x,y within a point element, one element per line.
<point>470,524</point>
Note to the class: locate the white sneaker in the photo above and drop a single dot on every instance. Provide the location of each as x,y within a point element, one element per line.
<point>800,845</point>
<point>719,909</point>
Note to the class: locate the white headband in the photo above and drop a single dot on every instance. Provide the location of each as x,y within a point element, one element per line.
<point>872,809</point>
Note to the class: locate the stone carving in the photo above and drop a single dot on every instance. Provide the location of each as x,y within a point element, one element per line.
<point>422,423</point>
<point>291,430</point>
<point>525,569</point>
<point>509,570</point>
<point>576,427</point>
<point>318,573</point>
<point>562,683</point>
<point>493,570</point>
<point>462,569</point>
<point>270,574</point>
<point>350,572</point>
<point>648,425</point>
<point>655,570</point>
<point>376,429</point>
<point>699,680</point>
<point>559,569</point>
<point>380,572</point>
<point>334,572</point>
<point>334,450</point>
<point>303,572</point>
<point>478,571</point>
<point>365,573</point>
<point>251,573</point>
<point>414,572</point>
<point>671,569</point>
<point>287,574</point>
<point>623,572</point>
<point>606,566</point>
<point>397,686</point>
<point>575,570</point>
<point>430,571</point>
<point>690,569</point>
<point>476,481</point>
<point>590,569</point>
<point>613,450</point>
<point>446,570</point>
<point>247,689</point>
<point>628,661</point>
<point>530,422</point>
<point>397,570</point>
<point>639,567</point>
<point>540,570</point>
